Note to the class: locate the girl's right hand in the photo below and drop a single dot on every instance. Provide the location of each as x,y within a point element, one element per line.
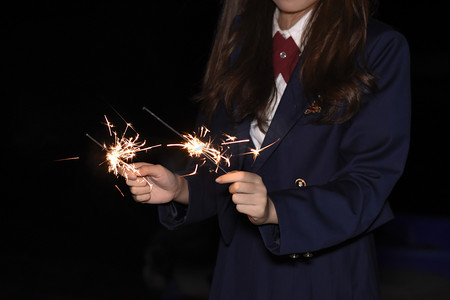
<point>165,185</point>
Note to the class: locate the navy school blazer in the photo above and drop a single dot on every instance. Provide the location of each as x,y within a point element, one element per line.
<point>329,185</point>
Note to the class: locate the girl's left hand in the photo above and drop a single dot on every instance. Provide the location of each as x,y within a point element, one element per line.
<point>250,196</point>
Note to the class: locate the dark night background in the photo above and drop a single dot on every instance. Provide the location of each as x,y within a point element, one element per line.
<point>67,233</point>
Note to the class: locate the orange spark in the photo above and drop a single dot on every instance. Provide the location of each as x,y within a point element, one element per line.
<point>69,158</point>
<point>256,152</point>
<point>120,191</point>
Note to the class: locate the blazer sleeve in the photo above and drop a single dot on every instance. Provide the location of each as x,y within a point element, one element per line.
<point>373,151</point>
<point>202,204</point>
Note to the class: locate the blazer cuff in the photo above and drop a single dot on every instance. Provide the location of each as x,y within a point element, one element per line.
<point>270,234</point>
<point>172,214</point>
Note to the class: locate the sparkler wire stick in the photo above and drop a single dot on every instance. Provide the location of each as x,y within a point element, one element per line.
<point>95,141</point>
<point>165,124</point>
<point>206,155</point>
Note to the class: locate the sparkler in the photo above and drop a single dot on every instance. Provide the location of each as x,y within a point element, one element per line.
<point>196,147</point>
<point>123,150</point>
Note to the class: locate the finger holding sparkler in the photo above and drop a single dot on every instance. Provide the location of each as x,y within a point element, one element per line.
<point>166,186</point>
<point>249,193</point>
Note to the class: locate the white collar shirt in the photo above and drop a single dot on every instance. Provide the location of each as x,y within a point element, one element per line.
<point>296,32</point>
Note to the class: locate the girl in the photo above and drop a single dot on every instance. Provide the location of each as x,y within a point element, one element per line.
<point>328,88</point>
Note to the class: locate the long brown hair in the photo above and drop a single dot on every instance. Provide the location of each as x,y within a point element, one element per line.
<point>333,71</point>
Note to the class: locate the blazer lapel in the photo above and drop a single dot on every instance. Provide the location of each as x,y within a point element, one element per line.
<point>242,133</point>
<point>289,111</point>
